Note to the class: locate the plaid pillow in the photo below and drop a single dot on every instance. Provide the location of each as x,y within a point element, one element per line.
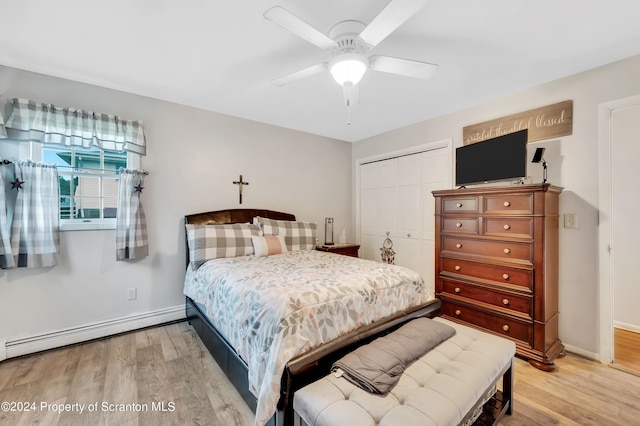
<point>297,235</point>
<point>213,241</point>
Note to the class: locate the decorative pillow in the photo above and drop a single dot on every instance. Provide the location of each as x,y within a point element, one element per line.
<point>213,241</point>
<point>269,245</point>
<point>297,235</point>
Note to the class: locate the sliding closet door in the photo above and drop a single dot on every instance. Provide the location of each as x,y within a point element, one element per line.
<point>395,198</point>
<point>436,174</point>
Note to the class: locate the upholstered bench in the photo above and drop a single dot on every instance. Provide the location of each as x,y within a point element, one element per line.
<point>452,384</point>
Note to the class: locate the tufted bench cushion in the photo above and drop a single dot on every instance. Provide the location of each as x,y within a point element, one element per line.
<point>446,386</point>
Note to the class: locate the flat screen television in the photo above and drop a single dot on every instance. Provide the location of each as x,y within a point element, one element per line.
<point>500,158</point>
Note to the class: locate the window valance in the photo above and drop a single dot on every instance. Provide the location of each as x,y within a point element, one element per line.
<point>39,122</point>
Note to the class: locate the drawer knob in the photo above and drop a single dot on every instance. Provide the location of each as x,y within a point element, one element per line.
<point>458,225</point>
<point>457,289</point>
<point>505,327</point>
<point>457,267</point>
<point>507,251</point>
<point>458,245</point>
<point>505,301</point>
<point>506,204</point>
<point>408,235</point>
<point>458,312</point>
<point>458,205</point>
<point>507,227</point>
<point>505,276</point>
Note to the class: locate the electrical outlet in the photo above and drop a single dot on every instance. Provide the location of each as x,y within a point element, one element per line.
<point>570,220</point>
<point>132,293</point>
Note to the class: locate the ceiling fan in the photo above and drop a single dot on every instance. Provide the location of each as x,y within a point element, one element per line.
<point>348,43</point>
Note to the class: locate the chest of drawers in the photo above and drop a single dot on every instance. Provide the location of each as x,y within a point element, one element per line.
<point>496,264</point>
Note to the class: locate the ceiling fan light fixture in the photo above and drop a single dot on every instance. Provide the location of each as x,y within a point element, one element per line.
<point>347,69</point>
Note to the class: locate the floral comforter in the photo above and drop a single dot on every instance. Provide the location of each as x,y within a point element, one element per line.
<point>273,308</point>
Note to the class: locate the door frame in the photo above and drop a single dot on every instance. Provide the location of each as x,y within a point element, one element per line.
<point>605,249</point>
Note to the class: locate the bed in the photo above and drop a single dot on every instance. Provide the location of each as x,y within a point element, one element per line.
<point>271,351</point>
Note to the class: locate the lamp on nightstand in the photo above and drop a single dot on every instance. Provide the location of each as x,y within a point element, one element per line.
<point>328,231</point>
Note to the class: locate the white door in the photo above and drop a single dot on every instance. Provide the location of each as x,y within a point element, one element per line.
<point>436,174</point>
<point>395,198</point>
<point>625,204</point>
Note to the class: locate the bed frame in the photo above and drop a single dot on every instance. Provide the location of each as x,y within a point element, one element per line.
<point>302,369</point>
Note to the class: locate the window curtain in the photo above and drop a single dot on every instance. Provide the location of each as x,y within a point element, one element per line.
<point>35,231</point>
<point>3,132</point>
<point>39,122</point>
<point>131,225</point>
<point>6,255</point>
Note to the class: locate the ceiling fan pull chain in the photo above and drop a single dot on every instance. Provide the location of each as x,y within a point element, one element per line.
<point>348,111</point>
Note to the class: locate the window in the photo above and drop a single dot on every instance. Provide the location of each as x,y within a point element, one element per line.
<point>89,149</point>
<point>88,184</point>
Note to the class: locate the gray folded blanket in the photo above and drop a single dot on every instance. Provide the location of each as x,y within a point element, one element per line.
<point>376,367</point>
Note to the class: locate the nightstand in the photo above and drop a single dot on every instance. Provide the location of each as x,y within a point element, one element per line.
<point>344,249</point>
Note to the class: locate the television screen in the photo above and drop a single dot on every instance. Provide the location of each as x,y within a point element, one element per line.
<point>501,158</point>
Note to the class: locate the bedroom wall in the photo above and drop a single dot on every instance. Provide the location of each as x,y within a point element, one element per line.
<point>193,157</point>
<point>573,164</point>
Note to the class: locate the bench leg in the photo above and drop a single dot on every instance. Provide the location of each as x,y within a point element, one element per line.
<point>507,387</point>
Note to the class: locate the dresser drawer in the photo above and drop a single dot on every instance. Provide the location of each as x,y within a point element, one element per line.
<point>514,227</point>
<point>501,325</point>
<point>509,203</point>
<point>455,204</point>
<point>494,274</point>
<point>507,250</point>
<point>460,225</point>
<point>519,304</point>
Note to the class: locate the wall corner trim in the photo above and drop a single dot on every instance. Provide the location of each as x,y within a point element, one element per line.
<point>40,342</point>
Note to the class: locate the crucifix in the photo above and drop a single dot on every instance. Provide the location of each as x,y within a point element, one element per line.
<point>240,184</point>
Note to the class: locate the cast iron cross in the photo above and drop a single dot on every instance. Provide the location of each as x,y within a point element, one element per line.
<point>240,184</point>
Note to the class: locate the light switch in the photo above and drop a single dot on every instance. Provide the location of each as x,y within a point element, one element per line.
<point>570,220</point>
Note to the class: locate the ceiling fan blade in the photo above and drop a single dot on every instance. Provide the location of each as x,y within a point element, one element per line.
<point>351,95</point>
<point>389,19</point>
<point>289,21</point>
<point>406,67</point>
<point>300,74</point>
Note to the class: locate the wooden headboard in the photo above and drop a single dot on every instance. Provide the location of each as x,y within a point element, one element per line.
<point>231,216</point>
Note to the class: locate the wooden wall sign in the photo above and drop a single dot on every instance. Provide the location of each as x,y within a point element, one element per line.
<point>547,122</point>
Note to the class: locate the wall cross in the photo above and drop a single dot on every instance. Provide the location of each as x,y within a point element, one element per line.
<point>240,184</point>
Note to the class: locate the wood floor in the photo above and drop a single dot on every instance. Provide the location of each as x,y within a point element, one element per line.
<point>165,376</point>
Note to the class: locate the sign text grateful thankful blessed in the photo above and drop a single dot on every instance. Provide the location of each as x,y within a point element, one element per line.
<point>543,123</point>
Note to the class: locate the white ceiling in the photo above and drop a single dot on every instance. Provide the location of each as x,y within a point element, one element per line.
<point>221,55</point>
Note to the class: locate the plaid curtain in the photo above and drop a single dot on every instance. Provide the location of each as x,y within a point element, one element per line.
<point>3,132</point>
<point>6,256</point>
<point>31,121</point>
<point>131,225</point>
<point>35,231</point>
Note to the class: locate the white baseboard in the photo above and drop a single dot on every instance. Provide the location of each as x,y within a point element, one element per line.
<point>625,326</point>
<point>583,353</point>
<point>41,342</point>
